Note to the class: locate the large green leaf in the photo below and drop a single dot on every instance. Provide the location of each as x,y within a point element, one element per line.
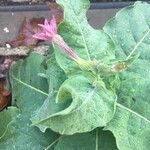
<point>91,106</point>
<point>87,42</point>
<point>20,135</point>
<point>131,123</point>
<point>95,140</point>
<point>29,92</point>
<point>55,76</point>
<point>78,96</point>
<point>130,30</point>
<point>27,85</point>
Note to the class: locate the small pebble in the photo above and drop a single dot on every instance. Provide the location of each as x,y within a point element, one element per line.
<point>6,29</point>
<point>8,45</point>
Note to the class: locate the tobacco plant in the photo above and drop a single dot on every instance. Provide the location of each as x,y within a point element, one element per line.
<point>92,90</point>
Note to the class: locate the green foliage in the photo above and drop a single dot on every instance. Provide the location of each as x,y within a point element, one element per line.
<point>29,91</point>
<point>97,139</point>
<point>130,30</point>
<point>94,105</point>
<point>59,106</point>
<point>77,32</point>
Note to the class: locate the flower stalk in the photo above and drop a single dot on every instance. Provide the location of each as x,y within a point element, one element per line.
<point>49,33</point>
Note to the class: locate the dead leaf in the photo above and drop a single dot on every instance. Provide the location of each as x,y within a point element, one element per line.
<point>4,66</point>
<point>56,10</point>
<point>27,29</point>
<point>4,95</point>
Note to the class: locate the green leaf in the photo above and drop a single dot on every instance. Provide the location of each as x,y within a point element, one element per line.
<point>27,85</point>
<point>130,30</point>
<point>90,106</point>
<point>87,42</point>
<point>55,76</point>
<point>78,96</point>
<point>130,129</point>
<point>29,91</point>
<point>95,140</point>
<point>6,117</point>
<point>20,135</point>
<point>131,123</point>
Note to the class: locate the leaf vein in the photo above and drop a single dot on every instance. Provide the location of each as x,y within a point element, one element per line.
<point>133,112</point>
<point>31,87</point>
<point>49,146</point>
<point>79,27</point>
<point>96,146</point>
<point>138,43</point>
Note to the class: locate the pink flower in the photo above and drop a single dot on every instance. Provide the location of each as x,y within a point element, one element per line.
<point>49,33</point>
<point>49,30</point>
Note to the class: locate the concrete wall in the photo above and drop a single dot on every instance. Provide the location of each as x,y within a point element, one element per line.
<point>10,21</point>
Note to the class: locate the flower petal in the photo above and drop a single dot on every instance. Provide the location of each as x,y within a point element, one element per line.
<point>53,24</point>
<point>40,36</point>
<point>46,23</point>
<point>44,27</point>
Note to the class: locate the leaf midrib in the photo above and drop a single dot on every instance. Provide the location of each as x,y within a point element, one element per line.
<point>55,141</point>
<point>30,86</point>
<point>96,139</point>
<point>133,112</point>
<point>87,98</point>
<point>79,27</point>
<point>117,104</point>
<point>138,44</point>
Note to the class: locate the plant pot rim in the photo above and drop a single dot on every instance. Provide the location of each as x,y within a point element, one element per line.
<point>44,7</point>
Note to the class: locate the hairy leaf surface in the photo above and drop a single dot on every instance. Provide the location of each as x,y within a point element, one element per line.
<point>91,106</point>
<point>95,140</point>
<point>6,117</point>
<point>130,30</point>
<point>87,42</point>
<point>29,93</point>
